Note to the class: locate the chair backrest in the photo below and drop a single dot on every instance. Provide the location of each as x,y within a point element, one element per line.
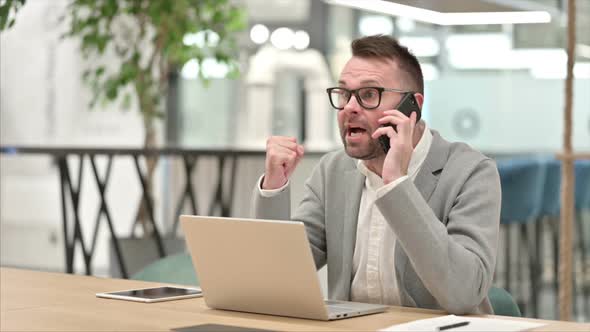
<point>551,190</point>
<point>173,269</point>
<point>522,181</point>
<point>582,174</point>
<point>503,303</point>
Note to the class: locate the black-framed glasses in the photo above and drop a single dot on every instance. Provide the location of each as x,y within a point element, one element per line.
<point>368,97</point>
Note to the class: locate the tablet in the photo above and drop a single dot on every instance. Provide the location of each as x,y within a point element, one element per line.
<point>155,294</point>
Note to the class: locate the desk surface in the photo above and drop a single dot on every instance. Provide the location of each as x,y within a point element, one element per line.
<point>42,301</point>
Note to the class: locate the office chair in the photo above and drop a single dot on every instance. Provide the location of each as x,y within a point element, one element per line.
<point>582,205</point>
<point>549,216</point>
<point>522,180</point>
<point>551,209</point>
<point>503,303</point>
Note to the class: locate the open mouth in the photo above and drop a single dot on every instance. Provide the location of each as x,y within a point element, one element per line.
<point>353,131</point>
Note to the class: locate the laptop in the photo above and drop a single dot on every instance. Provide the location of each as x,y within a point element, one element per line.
<point>261,266</point>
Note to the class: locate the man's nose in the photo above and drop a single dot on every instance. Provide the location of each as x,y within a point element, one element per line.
<point>352,105</point>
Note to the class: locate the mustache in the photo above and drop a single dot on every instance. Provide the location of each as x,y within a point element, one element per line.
<point>370,130</point>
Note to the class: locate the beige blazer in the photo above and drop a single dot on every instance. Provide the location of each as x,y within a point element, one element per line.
<point>446,223</point>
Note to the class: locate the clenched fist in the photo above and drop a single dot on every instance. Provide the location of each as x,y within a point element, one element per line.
<point>282,156</point>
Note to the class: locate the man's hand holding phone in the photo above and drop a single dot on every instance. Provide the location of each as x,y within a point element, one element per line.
<point>398,157</point>
<point>282,156</point>
<point>396,136</point>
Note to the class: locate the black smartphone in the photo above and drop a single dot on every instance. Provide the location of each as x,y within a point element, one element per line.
<point>407,105</point>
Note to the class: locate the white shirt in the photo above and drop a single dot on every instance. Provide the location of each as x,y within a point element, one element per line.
<point>373,266</point>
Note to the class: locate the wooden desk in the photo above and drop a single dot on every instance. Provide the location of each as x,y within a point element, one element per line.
<point>42,301</point>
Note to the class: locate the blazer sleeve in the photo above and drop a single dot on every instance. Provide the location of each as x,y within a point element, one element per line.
<point>310,211</point>
<point>454,258</point>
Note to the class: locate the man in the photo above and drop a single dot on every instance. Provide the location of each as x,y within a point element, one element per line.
<point>416,226</point>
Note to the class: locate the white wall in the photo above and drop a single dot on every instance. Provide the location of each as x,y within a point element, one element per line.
<point>517,113</point>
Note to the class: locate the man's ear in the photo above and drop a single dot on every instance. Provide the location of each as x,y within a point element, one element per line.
<point>419,98</point>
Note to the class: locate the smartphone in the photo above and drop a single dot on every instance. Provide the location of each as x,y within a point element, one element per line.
<point>156,294</point>
<point>407,105</point>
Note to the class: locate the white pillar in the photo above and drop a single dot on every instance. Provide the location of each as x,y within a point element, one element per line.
<point>260,81</point>
<point>318,131</point>
<point>258,117</point>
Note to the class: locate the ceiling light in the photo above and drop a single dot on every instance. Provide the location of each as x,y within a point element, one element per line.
<point>583,50</point>
<point>282,38</point>
<point>478,42</point>
<point>405,24</point>
<point>582,70</point>
<point>375,24</point>
<point>509,59</point>
<point>421,46</point>
<point>301,40</point>
<point>434,17</point>
<point>201,39</point>
<point>211,68</point>
<point>190,70</point>
<point>559,71</point>
<point>259,34</point>
<point>518,17</point>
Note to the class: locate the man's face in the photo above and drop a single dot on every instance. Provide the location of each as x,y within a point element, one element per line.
<point>356,123</point>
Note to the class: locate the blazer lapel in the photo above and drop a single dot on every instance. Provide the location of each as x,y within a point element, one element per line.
<point>436,158</point>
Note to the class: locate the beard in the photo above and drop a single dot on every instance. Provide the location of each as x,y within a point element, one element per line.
<point>365,151</point>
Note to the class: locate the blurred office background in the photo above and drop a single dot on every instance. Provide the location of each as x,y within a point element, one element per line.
<point>498,86</point>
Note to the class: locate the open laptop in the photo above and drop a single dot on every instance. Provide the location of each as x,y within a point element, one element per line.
<point>261,266</point>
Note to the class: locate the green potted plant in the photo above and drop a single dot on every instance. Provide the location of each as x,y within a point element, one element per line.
<point>8,9</point>
<point>149,39</point>
<point>146,40</point>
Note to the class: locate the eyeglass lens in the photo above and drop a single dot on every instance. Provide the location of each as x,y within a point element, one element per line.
<point>367,97</point>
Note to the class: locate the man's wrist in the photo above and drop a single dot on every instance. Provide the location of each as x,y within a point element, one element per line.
<point>265,185</point>
<point>389,179</point>
<point>389,186</point>
<point>270,192</point>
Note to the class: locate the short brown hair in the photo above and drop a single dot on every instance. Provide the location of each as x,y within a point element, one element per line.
<point>382,46</point>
